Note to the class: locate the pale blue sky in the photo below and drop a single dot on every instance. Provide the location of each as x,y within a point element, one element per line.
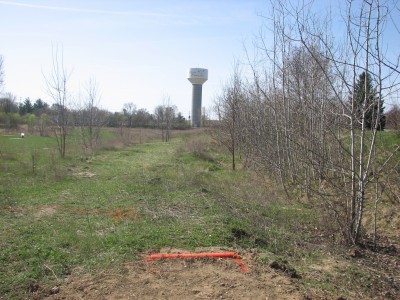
<point>138,51</point>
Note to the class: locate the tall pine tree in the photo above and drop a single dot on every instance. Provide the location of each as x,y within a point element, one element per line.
<point>372,105</point>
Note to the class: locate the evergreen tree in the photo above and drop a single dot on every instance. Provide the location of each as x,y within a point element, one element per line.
<point>25,107</point>
<point>39,105</point>
<point>372,105</point>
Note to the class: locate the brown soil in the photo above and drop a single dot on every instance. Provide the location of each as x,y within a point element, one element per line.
<point>222,278</point>
<point>48,210</point>
<point>211,278</point>
<point>45,210</point>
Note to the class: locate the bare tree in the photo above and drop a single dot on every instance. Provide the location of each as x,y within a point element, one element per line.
<point>393,118</point>
<point>301,118</point>
<point>56,84</point>
<point>169,118</point>
<point>91,117</point>
<point>141,118</point>
<point>9,111</point>
<point>159,116</point>
<point>129,111</point>
<point>8,103</point>
<point>228,109</point>
<point>44,123</point>
<point>164,117</point>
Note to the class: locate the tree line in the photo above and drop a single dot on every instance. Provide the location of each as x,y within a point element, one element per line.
<point>13,114</point>
<point>84,113</point>
<point>307,109</point>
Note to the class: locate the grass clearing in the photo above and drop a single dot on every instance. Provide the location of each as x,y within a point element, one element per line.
<point>84,215</point>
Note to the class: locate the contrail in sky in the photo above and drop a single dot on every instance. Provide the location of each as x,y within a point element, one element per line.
<point>82,10</point>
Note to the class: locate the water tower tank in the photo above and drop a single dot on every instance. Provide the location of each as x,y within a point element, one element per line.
<point>197,76</point>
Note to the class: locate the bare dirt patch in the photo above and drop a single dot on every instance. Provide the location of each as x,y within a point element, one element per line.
<point>49,210</point>
<point>117,214</point>
<point>45,210</point>
<point>83,174</point>
<point>210,278</point>
<point>329,265</point>
<point>181,279</point>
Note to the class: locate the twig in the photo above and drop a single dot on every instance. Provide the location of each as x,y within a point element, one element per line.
<point>51,270</point>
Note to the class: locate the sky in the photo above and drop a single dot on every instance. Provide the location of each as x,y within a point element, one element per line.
<point>137,51</point>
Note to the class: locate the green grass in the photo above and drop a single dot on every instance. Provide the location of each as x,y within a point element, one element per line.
<point>388,139</point>
<point>63,216</point>
<point>89,213</point>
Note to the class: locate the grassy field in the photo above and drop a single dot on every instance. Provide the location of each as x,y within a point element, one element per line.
<point>88,213</point>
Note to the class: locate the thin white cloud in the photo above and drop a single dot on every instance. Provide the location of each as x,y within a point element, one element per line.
<point>83,10</point>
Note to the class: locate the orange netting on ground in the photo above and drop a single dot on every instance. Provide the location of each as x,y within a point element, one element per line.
<point>234,255</point>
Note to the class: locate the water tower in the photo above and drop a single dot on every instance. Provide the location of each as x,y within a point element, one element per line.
<point>197,77</point>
